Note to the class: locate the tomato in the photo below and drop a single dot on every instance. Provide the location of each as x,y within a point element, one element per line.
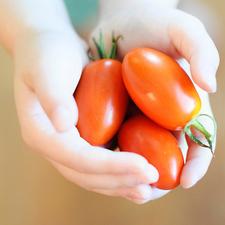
<point>160,88</point>
<point>102,101</point>
<point>142,136</point>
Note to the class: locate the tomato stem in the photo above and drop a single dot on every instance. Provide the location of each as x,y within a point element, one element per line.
<point>113,51</point>
<point>100,46</point>
<point>195,123</point>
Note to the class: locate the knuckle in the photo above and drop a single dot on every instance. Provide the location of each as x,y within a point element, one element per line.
<point>131,181</point>
<point>139,164</point>
<point>186,21</point>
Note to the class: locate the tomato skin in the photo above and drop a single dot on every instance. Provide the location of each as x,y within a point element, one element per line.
<point>160,88</point>
<point>142,136</point>
<point>102,101</point>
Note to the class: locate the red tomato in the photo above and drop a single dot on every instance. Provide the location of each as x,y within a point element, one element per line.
<point>142,136</point>
<point>160,88</point>
<point>102,101</point>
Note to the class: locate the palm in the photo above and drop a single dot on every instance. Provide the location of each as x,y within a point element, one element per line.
<point>172,32</point>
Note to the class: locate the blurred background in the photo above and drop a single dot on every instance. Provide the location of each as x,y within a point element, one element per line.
<point>33,193</point>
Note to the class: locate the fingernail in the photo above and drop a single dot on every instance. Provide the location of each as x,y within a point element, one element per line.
<point>62,119</point>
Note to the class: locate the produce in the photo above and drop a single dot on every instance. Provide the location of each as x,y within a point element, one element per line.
<point>142,136</point>
<point>101,97</point>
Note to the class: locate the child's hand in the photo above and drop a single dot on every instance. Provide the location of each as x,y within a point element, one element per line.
<point>142,24</point>
<point>48,66</point>
<point>169,30</point>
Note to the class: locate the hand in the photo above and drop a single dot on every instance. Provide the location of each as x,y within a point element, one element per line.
<point>48,66</point>
<point>181,36</point>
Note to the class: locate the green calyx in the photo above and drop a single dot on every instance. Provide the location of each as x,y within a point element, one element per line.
<point>197,125</point>
<point>100,46</point>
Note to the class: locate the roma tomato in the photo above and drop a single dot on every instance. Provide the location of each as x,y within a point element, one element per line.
<point>142,136</point>
<point>160,88</point>
<point>102,101</point>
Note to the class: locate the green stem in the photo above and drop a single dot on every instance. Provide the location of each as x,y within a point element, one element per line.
<point>113,51</point>
<point>195,123</point>
<point>100,46</point>
<point>99,49</point>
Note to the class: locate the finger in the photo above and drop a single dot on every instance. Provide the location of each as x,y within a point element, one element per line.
<point>158,193</point>
<point>96,181</point>
<point>198,161</point>
<point>199,158</point>
<point>54,80</point>
<point>139,194</point>
<point>56,98</point>
<point>192,41</point>
<point>180,136</point>
<point>148,30</point>
<point>68,148</point>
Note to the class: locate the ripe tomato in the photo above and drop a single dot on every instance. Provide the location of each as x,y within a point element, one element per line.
<point>160,88</point>
<point>142,136</point>
<point>102,101</point>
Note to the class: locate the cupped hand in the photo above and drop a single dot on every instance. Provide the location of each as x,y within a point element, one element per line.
<point>48,66</point>
<point>183,37</point>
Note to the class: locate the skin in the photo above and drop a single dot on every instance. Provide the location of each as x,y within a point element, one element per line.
<point>44,87</point>
<point>160,88</point>
<point>140,135</point>
<point>47,112</point>
<point>173,32</point>
<point>101,100</point>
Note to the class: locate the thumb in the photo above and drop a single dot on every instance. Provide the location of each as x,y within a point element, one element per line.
<point>54,86</point>
<point>192,41</point>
